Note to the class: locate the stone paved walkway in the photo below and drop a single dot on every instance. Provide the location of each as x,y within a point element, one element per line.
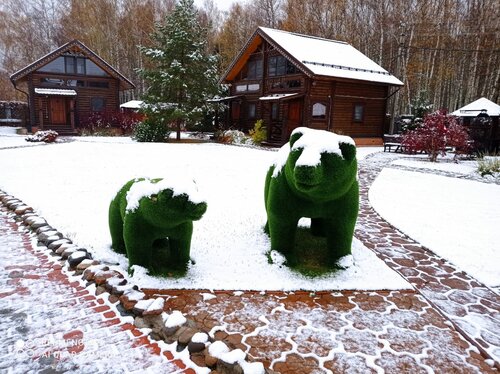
<point>473,308</point>
<point>449,323</point>
<point>51,323</point>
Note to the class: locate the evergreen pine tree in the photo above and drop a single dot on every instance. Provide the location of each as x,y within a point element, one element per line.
<point>183,75</point>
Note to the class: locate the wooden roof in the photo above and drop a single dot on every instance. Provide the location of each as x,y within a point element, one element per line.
<point>73,46</point>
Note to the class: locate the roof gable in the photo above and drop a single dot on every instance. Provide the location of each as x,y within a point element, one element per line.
<point>318,57</point>
<point>78,48</point>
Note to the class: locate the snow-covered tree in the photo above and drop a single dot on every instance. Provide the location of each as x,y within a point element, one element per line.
<point>183,74</point>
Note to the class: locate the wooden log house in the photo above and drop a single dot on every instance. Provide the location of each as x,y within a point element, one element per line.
<point>65,86</point>
<point>290,80</point>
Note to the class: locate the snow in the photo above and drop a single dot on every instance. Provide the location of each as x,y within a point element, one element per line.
<point>218,348</point>
<point>330,57</point>
<point>313,143</point>
<point>229,245</point>
<point>236,355</point>
<point>175,319</point>
<point>455,218</point>
<point>199,337</point>
<point>132,104</point>
<point>9,139</point>
<point>463,167</point>
<point>179,184</point>
<point>474,108</point>
<point>55,91</point>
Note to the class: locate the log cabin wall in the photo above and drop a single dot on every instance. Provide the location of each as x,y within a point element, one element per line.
<point>370,97</point>
<point>87,88</point>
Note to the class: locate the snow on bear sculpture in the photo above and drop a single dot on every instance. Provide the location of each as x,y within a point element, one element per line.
<point>151,222</point>
<point>314,176</point>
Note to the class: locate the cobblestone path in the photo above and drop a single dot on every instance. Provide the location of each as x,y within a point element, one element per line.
<point>51,323</point>
<point>473,308</point>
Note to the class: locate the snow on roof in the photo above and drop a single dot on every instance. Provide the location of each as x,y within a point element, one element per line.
<point>330,58</point>
<point>277,96</point>
<point>55,91</point>
<point>474,108</point>
<point>132,104</point>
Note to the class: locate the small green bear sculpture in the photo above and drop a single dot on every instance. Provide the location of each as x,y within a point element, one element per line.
<point>151,222</point>
<point>314,176</point>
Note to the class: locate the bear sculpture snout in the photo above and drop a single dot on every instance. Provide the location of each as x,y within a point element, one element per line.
<point>308,176</point>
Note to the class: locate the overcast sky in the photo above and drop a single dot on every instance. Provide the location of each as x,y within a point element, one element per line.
<point>221,4</point>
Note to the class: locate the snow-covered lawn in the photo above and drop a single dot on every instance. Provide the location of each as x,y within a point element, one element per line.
<point>444,164</point>
<point>71,185</point>
<point>9,139</point>
<point>457,219</point>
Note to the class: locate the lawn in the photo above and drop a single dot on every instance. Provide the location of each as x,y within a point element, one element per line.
<point>71,185</point>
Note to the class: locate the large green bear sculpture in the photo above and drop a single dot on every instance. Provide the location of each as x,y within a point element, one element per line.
<point>151,222</point>
<point>314,176</point>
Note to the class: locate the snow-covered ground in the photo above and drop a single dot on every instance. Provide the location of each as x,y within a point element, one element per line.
<point>9,139</point>
<point>457,219</point>
<point>71,185</point>
<point>444,164</point>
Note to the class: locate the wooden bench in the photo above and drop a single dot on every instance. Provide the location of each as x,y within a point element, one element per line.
<point>392,142</point>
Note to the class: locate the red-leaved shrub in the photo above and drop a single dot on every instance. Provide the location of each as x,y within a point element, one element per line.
<point>438,131</point>
<point>125,121</point>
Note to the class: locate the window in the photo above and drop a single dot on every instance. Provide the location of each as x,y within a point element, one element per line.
<point>97,104</point>
<point>319,110</point>
<point>253,70</point>
<point>253,87</point>
<point>279,65</point>
<point>74,65</point>
<point>251,110</point>
<point>241,88</point>
<point>54,66</point>
<point>92,69</point>
<point>75,83</point>
<point>98,84</point>
<point>275,111</point>
<point>358,113</point>
<point>52,82</point>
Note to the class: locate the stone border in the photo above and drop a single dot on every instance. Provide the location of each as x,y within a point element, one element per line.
<point>173,329</point>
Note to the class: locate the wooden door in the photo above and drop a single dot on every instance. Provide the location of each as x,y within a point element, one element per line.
<point>58,111</point>
<point>294,119</point>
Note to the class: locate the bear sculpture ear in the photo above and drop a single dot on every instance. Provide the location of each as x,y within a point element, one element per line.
<point>296,135</point>
<point>348,151</point>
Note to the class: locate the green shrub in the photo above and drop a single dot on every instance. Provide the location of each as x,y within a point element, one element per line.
<point>258,133</point>
<point>151,131</point>
<point>489,165</point>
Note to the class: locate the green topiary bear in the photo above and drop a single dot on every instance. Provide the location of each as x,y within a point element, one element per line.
<point>314,176</point>
<point>151,222</point>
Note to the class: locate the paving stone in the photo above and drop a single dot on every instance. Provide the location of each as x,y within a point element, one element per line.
<point>54,322</point>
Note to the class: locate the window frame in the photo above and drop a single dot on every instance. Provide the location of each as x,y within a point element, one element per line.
<point>251,110</point>
<point>92,104</point>
<point>355,117</point>
<point>321,116</point>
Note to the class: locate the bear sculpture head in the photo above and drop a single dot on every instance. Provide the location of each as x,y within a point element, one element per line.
<point>165,204</point>
<point>321,165</point>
